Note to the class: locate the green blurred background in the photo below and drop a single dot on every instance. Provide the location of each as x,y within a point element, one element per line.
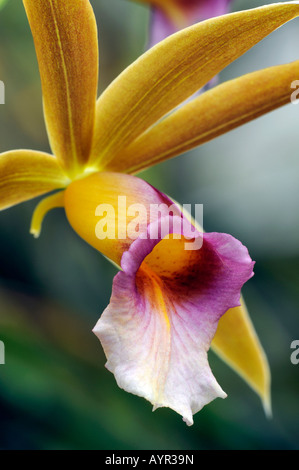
<point>55,392</point>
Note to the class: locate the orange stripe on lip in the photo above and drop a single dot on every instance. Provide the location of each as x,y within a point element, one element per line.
<point>156,285</point>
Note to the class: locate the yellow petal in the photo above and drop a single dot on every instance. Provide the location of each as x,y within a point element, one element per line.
<point>173,70</point>
<point>215,112</point>
<point>236,342</point>
<point>46,205</point>
<point>173,9</point>
<point>25,174</point>
<point>65,37</point>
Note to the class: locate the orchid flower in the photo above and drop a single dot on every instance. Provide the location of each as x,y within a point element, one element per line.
<point>166,301</point>
<point>169,16</point>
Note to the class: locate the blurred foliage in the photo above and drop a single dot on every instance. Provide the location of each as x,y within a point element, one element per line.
<point>55,392</point>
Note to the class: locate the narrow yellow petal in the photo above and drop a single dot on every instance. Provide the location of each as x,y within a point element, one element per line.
<point>214,113</point>
<point>25,174</point>
<point>173,70</point>
<point>65,37</point>
<point>173,9</point>
<point>51,202</point>
<point>236,342</point>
